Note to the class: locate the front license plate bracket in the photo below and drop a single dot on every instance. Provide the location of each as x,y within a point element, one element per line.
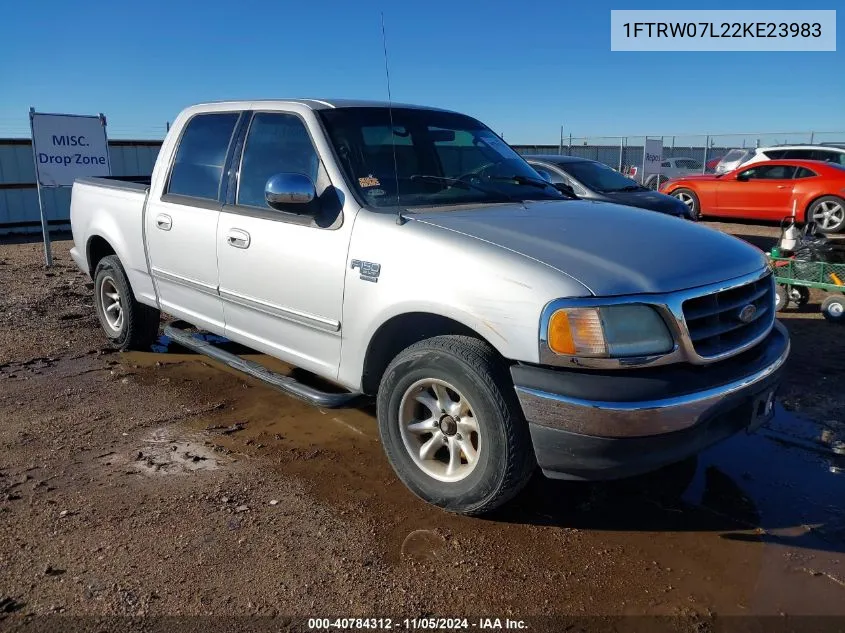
<point>762,410</point>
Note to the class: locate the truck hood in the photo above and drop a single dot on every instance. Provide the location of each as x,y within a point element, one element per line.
<point>609,248</point>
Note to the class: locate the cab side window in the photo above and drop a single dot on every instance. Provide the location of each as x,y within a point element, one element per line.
<point>198,164</point>
<point>770,172</point>
<point>276,143</point>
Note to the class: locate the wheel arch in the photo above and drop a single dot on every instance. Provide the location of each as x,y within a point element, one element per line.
<point>401,331</point>
<point>96,249</point>
<point>816,198</point>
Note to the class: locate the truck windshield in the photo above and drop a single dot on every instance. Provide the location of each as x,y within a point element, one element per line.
<point>442,158</point>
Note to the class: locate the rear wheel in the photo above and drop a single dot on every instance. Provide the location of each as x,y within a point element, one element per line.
<point>127,323</point>
<point>799,295</point>
<point>833,309</point>
<point>688,197</point>
<point>451,425</point>
<point>828,212</point>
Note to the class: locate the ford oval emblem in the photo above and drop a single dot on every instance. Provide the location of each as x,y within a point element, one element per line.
<point>746,315</point>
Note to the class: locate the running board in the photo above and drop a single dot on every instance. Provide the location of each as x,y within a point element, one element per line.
<point>284,383</point>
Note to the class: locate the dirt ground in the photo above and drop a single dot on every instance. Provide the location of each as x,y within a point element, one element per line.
<point>161,483</point>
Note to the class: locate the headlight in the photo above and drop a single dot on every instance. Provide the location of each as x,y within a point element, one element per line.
<point>621,330</point>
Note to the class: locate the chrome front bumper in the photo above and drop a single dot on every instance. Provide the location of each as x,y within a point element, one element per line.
<point>673,412</point>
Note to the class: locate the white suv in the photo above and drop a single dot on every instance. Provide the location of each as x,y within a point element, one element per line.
<point>737,157</point>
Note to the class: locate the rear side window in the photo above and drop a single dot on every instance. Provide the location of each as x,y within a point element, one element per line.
<point>828,156</point>
<point>803,172</point>
<point>776,154</point>
<point>688,163</point>
<point>801,154</point>
<point>198,166</point>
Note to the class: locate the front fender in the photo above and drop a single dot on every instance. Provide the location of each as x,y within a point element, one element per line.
<point>498,294</point>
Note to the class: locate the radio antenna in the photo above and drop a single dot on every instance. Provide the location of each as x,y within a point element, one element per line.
<point>399,219</point>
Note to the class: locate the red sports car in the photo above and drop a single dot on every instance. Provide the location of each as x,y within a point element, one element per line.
<point>768,191</point>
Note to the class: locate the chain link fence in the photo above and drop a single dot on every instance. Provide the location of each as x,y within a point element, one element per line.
<point>682,154</point>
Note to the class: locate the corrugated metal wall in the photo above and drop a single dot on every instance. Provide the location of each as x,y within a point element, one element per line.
<point>19,197</point>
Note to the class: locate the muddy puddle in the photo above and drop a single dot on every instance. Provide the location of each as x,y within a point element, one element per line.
<point>166,451</point>
<point>755,524</point>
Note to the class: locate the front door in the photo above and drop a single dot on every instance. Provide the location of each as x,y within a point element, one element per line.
<point>181,223</point>
<point>282,274</point>
<point>765,195</point>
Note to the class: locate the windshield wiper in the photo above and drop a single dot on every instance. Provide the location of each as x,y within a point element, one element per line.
<point>631,188</point>
<point>463,184</point>
<point>539,183</point>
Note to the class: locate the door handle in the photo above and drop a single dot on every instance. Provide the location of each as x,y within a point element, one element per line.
<point>164,222</point>
<point>783,186</point>
<point>238,238</point>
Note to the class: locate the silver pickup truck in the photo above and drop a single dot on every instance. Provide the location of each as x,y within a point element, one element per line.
<point>409,254</point>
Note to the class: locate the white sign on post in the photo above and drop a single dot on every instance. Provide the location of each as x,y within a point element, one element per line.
<point>66,147</point>
<point>652,157</point>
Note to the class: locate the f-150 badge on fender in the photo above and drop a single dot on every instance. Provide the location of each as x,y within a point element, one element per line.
<point>369,270</point>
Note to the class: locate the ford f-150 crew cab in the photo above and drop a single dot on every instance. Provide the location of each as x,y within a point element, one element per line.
<point>409,254</point>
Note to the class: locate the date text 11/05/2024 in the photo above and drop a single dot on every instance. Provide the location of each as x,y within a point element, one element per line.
<point>724,29</point>
<point>412,624</point>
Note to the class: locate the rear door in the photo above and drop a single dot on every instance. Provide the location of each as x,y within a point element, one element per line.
<point>766,195</point>
<point>282,274</point>
<point>181,222</point>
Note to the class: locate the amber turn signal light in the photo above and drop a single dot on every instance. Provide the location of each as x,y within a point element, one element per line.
<point>577,331</point>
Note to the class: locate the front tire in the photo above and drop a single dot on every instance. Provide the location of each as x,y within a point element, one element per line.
<point>688,197</point>
<point>127,324</point>
<point>828,213</point>
<point>452,427</point>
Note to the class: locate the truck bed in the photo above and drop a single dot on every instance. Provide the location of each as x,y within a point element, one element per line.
<point>111,210</point>
<point>129,183</point>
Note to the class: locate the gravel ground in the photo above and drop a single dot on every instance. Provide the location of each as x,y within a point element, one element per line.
<point>162,484</point>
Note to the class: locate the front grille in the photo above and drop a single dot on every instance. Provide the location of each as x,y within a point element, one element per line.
<point>714,322</point>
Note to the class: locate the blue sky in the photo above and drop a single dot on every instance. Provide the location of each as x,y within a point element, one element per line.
<point>525,68</point>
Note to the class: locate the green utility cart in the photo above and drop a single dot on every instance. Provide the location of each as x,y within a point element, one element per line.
<point>795,277</point>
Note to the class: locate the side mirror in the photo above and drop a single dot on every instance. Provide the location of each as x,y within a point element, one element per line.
<point>742,177</point>
<point>565,189</point>
<point>544,174</point>
<point>290,192</point>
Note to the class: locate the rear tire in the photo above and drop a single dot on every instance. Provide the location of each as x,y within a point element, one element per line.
<point>800,295</point>
<point>129,325</point>
<point>452,427</point>
<point>688,197</point>
<point>833,309</point>
<point>828,213</point>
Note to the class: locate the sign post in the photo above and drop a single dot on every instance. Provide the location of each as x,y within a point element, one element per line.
<point>652,157</point>
<point>66,147</point>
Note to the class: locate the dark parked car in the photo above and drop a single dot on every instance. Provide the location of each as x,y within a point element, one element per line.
<point>593,180</point>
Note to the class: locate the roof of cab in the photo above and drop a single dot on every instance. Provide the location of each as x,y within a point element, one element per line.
<point>314,104</point>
